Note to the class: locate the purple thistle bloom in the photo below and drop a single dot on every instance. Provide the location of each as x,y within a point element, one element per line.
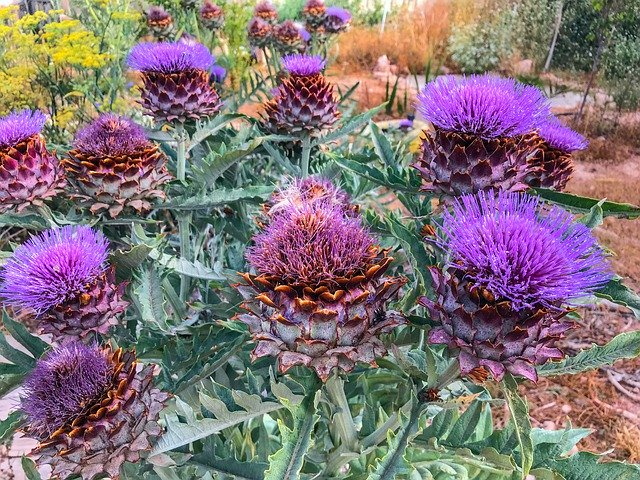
<point>339,13</point>
<point>406,123</point>
<point>312,244</point>
<point>309,190</point>
<point>519,252</point>
<point>53,267</point>
<point>63,385</point>
<point>483,105</point>
<point>218,73</point>
<point>167,57</point>
<point>303,65</point>
<point>306,36</point>
<point>156,13</point>
<point>561,137</point>
<point>111,135</point>
<point>18,126</point>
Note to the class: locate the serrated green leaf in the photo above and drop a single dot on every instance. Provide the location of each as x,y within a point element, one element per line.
<point>382,146</point>
<point>219,197</point>
<point>350,126</point>
<point>30,221</point>
<point>586,466</point>
<point>215,164</point>
<point>287,462</point>
<point>206,129</point>
<point>595,217</point>
<point>624,345</point>
<point>521,421</point>
<point>18,331</point>
<point>465,427</point>
<point>126,261</point>
<point>578,204</point>
<point>616,292</point>
<point>151,299</point>
<point>9,425</point>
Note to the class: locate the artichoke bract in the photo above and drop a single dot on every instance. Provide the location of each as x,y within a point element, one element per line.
<point>336,20</point>
<point>319,297</point>
<point>304,101</point>
<point>289,38</point>
<point>512,270</point>
<point>483,134</point>
<point>114,167</point>
<point>91,409</point>
<point>267,12</point>
<point>62,278</point>
<point>314,15</point>
<point>29,173</point>
<point>552,165</point>
<point>211,16</point>
<point>159,22</point>
<point>176,86</point>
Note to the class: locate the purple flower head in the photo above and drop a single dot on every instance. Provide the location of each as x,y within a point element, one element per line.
<point>561,137</point>
<point>156,13</point>
<point>218,73</point>
<point>520,253</point>
<point>52,267</point>
<point>303,65</point>
<point>304,34</point>
<point>344,16</point>
<point>313,243</point>
<point>483,105</point>
<point>111,135</point>
<point>406,123</point>
<point>18,126</point>
<point>265,9</point>
<point>65,383</point>
<point>170,57</point>
<point>309,190</point>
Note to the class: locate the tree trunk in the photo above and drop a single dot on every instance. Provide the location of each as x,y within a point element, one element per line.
<point>556,31</point>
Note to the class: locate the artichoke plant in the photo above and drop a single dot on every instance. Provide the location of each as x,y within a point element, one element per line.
<point>512,269</point>
<point>289,38</point>
<point>552,165</point>
<point>483,134</point>
<point>29,173</point>
<point>304,101</point>
<point>314,14</point>
<point>259,33</point>
<point>266,11</point>
<point>61,277</point>
<point>319,297</point>
<point>176,86</point>
<point>114,167</point>
<point>91,409</point>
<point>336,20</point>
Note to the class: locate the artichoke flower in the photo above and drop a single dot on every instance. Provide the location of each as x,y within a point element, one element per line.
<point>267,12</point>
<point>319,297</point>
<point>259,33</point>
<point>513,268</point>
<point>91,409</point>
<point>113,166</point>
<point>61,277</point>
<point>29,173</point>
<point>159,22</point>
<point>289,38</point>
<point>483,134</point>
<point>314,15</point>
<point>176,86</point>
<point>304,101</point>
<point>336,20</point>
<point>551,166</point>
<point>211,16</point>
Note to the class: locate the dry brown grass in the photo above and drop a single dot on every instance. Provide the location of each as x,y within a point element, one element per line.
<point>411,39</point>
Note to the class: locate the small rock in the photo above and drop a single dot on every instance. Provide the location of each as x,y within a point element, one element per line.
<point>383,65</point>
<point>523,67</point>
<point>549,425</point>
<point>566,409</point>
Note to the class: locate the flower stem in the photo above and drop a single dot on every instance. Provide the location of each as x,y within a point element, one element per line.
<point>451,373</point>
<point>306,153</point>
<point>342,417</point>
<point>184,220</point>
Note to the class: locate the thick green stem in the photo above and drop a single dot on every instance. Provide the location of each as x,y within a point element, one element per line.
<point>451,374</point>
<point>342,417</point>
<point>184,220</point>
<point>306,154</point>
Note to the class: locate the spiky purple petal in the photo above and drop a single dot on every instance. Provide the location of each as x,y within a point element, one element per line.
<point>303,65</point>
<point>111,135</point>
<point>483,105</point>
<point>312,243</point>
<point>18,126</point>
<point>170,57</point>
<point>64,383</point>
<point>340,13</point>
<point>218,73</point>
<point>53,267</point>
<point>561,137</point>
<point>510,246</point>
